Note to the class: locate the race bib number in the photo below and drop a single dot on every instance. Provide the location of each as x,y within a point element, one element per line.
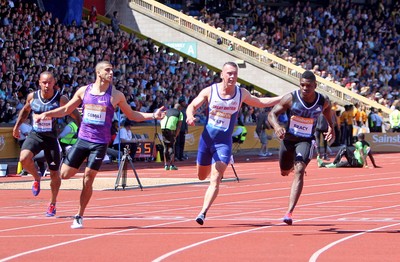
<point>219,120</point>
<point>45,125</point>
<point>301,126</point>
<point>94,114</point>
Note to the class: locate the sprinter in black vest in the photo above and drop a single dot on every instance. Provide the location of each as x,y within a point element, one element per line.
<point>43,136</point>
<point>302,108</point>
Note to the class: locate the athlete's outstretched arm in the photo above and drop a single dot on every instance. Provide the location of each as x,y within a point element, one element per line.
<point>75,113</point>
<point>259,101</point>
<point>120,100</point>
<point>67,108</point>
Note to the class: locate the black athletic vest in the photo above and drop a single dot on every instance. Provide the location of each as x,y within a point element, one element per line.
<point>38,106</point>
<point>303,117</point>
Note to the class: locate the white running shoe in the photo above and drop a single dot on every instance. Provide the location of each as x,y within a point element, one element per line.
<point>78,222</point>
<point>265,154</point>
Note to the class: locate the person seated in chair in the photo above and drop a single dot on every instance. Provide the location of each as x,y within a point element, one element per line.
<point>125,137</point>
<point>240,132</point>
<point>68,136</point>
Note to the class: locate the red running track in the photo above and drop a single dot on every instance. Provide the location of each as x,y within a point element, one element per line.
<point>342,215</point>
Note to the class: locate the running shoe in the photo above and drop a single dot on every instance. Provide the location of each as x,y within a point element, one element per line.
<point>288,219</point>
<point>331,165</point>
<point>36,188</point>
<point>265,154</point>
<point>77,223</point>
<point>320,162</point>
<point>51,210</point>
<point>23,173</point>
<point>200,219</point>
<point>173,167</point>
<point>166,167</point>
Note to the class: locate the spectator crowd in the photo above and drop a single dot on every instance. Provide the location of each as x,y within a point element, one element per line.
<point>354,45</point>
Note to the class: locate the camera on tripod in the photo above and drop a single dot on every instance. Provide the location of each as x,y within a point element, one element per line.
<point>127,150</point>
<point>123,168</point>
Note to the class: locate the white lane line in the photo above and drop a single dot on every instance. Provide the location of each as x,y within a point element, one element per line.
<point>176,251</point>
<point>242,202</point>
<point>81,239</point>
<point>315,256</point>
<point>122,231</point>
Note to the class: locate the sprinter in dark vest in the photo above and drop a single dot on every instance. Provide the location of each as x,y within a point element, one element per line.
<point>302,108</point>
<point>43,135</point>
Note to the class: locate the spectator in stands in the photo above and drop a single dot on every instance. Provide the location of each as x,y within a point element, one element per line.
<point>115,22</point>
<point>93,14</point>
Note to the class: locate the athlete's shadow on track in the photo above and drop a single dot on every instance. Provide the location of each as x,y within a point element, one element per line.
<point>339,231</point>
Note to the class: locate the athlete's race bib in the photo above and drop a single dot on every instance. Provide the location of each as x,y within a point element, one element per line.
<point>94,114</point>
<point>45,125</point>
<point>219,120</point>
<point>301,126</point>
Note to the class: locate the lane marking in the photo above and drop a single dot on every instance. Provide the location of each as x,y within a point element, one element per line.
<point>315,256</point>
<point>80,239</point>
<point>176,251</point>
